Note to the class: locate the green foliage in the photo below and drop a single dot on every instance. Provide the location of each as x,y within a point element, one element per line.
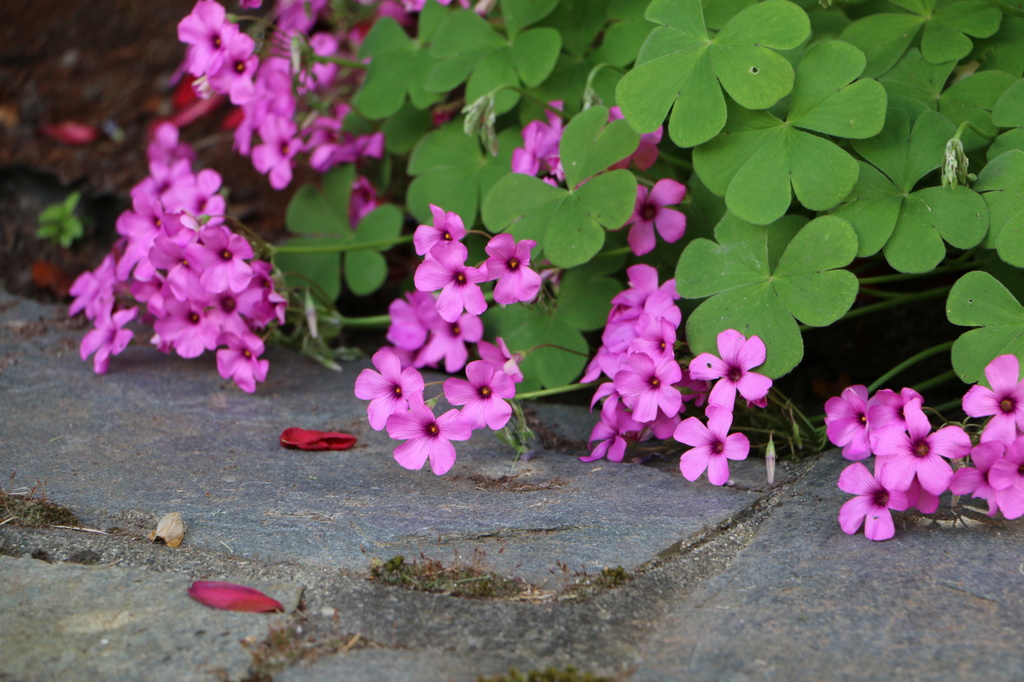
<point>814,139</point>
<point>682,67</point>
<point>750,291</point>
<point>59,224</point>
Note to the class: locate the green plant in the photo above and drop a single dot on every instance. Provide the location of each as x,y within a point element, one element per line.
<point>59,224</point>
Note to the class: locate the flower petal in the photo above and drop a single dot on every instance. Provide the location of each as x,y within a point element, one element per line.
<point>232,597</point>
<point>305,439</point>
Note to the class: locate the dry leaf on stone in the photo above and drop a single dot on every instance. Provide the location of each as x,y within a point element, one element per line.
<point>170,529</point>
<point>232,597</point>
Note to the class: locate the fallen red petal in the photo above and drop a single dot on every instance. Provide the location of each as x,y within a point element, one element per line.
<point>231,597</point>
<point>51,277</point>
<point>70,132</point>
<point>305,439</point>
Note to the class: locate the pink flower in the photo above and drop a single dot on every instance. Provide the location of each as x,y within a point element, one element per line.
<point>540,147</point>
<point>412,319</point>
<point>886,408</point>
<point>1004,401</point>
<point>206,32</point>
<point>390,390</point>
<point>649,213</point>
<point>1007,477</point>
<point>177,255</point>
<point>427,437</point>
<point>509,263</point>
<point>646,386</point>
<point>917,451</point>
<point>713,446</point>
<point>482,395</point>
<point>234,77</point>
<point>223,257</point>
<point>846,419</point>
<point>94,290</point>
<point>448,342</point>
<point>870,506</point>
<point>107,338</point>
<point>501,358</point>
<point>612,437</point>
<point>280,145</point>
<point>446,269</point>
<point>646,152</point>
<point>240,360</point>
<point>447,229</point>
<point>188,327</point>
<point>739,356</point>
<point>655,336</point>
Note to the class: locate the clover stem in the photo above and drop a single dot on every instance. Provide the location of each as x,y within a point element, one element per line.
<point>337,60</point>
<point>338,248</point>
<point>891,303</point>
<point>568,388</point>
<point>903,276</point>
<point>909,362</point>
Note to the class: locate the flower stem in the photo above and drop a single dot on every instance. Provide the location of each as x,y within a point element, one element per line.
<point>909,362</point>
<point>568,388</point>
<point>339,248</point>
<point>337,60</point>
<point>904,276</point>
<point>891,303</point>
<point>936,380</point>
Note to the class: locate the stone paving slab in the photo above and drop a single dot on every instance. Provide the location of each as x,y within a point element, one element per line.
<point>803,600</point>
<point>72,622</point>
<point>160,434</point>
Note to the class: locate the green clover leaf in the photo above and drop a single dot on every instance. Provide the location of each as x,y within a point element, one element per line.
<point>557,350</point>
<point>366,269</point>
<point>450,170</point>
<point>913,227</point>
<point>979,300</point>
<point>683,68</point>
<point>320,215</point>
<point>914,77</point>
<point>947,24</point>
<point>973,99</point>
<point>1001,184</point>
<point>749,293</point>
<point>398,66</point>
<point>578,216</point>
<point>759,158</point>
<point>466,49</point>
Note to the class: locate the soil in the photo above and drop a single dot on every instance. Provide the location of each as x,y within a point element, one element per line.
<point>112,65</point>
<point>109,65</point>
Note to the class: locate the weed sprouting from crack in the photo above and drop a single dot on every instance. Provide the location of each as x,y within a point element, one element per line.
<point>549,675</point>
<point>291,643</point>
<point>30,508</point>
<point>584,586</point>
<point>458,580</point>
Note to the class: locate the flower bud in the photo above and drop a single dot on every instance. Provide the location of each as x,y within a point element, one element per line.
<point>769,460</point>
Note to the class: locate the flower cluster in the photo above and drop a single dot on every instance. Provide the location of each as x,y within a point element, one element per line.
<point>648,387</point>
<point>913,462</point>
<point>198,280</point>
<point>272,91</point>
<point>428,327</point>
<point>540,155</point>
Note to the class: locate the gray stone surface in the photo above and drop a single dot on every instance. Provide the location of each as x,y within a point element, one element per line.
<point>73,622</point>
<point>737,583</point>
<point>160,434</point>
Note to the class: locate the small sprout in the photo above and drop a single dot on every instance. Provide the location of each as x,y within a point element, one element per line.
<point>769,460</point>
<point>170,529</point>
<point>954,165</point>
<point>480,117</point>
<point>59,224</point>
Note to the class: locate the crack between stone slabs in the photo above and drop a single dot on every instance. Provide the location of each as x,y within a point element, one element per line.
<point>452,538</point>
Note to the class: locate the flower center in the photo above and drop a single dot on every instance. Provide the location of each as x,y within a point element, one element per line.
<point>216,42</point>
<point>226,255</point>
<point>432,429</point>
<point>655,382</point>
<point>193,317</point>
<point>460,278</point>
<point>456,330</point>
<point>228,304</point>
<point>240,67</point>
<point>284,149</point>
<point>1007,405</point>
<point>921,449</point>
<point>718,448</point>
<point>648,211</point>
<point>513,263</point>
<point>880,498</point>
<point>247,353</point>
<point>734,374</point>
<point>485,391</point>
<point>398,391</point>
